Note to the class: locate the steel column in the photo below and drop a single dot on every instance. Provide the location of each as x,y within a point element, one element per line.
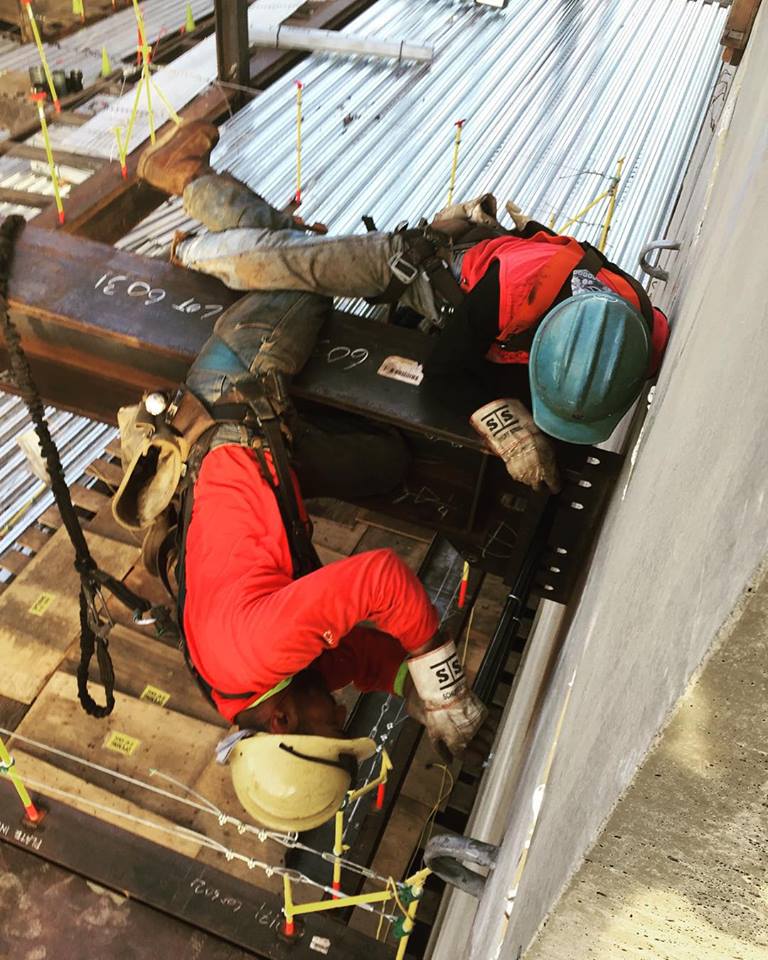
<point>232,44</point>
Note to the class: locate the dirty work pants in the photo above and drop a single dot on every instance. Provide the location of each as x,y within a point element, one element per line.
<point>334,454</point>
<point>252,246</point>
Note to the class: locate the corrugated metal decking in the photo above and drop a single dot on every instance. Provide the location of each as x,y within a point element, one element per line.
<point>553,94</point>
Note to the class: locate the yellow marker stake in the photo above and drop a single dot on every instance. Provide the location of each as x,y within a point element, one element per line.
<point>289,928</point>
<point>145,78</point>
<point>6,766</point>
<point>299,91</point>
<point>166,103</point>
<point>455,161</point>
<point>121,153</point>
<point>106,66</point>
<point>189,20</point>
<point>611,205</point>
<point>41,51</point>
<point>338,850</point>
<point>39,98</point>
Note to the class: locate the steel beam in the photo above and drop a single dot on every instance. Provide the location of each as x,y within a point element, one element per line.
<point>233,65</point>
<point>188,889</point>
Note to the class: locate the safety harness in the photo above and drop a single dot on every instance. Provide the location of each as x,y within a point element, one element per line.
<point>422,253</point>
<point>249,407</point>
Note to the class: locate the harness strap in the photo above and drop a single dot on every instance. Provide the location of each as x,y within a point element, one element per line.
<point>420,253</point>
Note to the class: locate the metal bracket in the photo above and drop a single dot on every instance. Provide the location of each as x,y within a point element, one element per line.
<point>658,273</point>
<point>446,855</point>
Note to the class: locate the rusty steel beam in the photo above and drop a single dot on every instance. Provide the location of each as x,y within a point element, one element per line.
<point>101,325</point>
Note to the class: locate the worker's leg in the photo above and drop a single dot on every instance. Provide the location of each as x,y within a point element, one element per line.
<point>221,202</point>
<point>264,259</point>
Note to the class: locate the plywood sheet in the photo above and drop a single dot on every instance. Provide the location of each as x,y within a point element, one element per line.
<point>45,778</point>
<point>163,740</point>
<point>39,612</point>
<point>150,670</point>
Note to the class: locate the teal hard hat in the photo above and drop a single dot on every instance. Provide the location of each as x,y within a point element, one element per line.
<point>588,362</point>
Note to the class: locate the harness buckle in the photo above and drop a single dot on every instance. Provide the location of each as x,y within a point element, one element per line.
<point>402,269</point>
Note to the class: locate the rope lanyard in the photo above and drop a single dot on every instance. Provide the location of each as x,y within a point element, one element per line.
<point>95,621</point>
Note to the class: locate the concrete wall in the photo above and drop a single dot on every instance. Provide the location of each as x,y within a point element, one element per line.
<point>684,535</point>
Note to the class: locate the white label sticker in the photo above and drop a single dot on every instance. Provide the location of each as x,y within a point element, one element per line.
<point>321,944</point>
<point>400,368</point>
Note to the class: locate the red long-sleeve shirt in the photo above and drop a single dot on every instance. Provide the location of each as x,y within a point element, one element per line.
<point>249,625</point>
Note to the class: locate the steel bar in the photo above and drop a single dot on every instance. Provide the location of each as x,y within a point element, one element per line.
<point>232,62</point>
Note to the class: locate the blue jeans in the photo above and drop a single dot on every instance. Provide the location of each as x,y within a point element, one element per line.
<point>334,454</point>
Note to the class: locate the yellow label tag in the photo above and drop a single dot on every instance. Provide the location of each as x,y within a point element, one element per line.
<point>40,605</point>
<point>155,695</point>
<point>121,743</point>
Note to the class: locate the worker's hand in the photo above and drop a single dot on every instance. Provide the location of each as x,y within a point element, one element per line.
<point>442,701</point>
<point>508,429</point>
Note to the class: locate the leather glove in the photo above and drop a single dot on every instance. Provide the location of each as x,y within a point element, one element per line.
<point>478,210</point>
<point>508,429</point>
<point>452,714</point>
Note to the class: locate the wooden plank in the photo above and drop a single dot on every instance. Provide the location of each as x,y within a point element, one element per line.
<point>14,561</point>
<point>141,662</point>
<point>27,152</point>
<point>24,198</point>
<point>397,525</point>
<point>33,538</point>
<point>39,612</point>
<point>739,24</point>
<point>87,498</point>
<point>109,473</point>
<point>336,536</point>
<point>105,525</point>
<point>11,712</point>
<point>174,744</point>
<point>71,119</point>
<point>215,784</point>
<point>411,551</point>
<point>43,777</point>
<point>50,518</point>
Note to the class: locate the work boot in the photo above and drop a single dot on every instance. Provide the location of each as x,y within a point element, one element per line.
<point>179,156</point>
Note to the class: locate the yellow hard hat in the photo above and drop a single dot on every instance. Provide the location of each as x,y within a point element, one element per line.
<point>295,782</point>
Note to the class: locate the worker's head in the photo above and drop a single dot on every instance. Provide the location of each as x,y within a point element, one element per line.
<point>588,363</point>
<point>292,782</point>
<point>293,765</point>
<point>304,706</point>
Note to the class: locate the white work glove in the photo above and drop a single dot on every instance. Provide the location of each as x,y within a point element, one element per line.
<point>478,210</point>
<point>452,714</point>
<point>508,429</point>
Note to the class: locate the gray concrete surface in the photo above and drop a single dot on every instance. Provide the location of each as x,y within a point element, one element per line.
<point>683,537</point>
<point>680,869</point>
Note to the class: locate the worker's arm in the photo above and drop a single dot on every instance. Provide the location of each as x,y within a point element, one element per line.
<point>313,614</point>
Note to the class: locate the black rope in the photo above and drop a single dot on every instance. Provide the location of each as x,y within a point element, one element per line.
<point>91,578</point>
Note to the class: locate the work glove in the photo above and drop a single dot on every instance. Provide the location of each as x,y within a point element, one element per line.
<point>508,429</point>
<point>478,210</point>
<point>443,702</point>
